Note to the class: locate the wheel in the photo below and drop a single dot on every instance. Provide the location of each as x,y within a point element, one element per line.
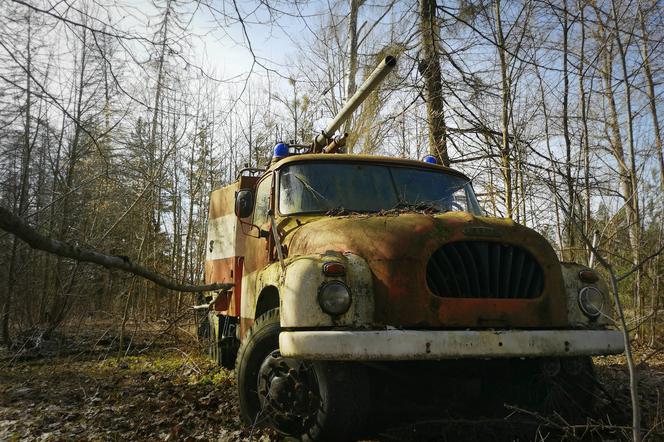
<point>309,401</point>
<point>566,387</point>
<point>213,347</point>
<point>227,355</point>
<point>204,328</point>
<point>222,349</point>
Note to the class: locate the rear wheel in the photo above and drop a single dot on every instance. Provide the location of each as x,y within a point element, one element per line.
<point>306,400</point>
<point>222,343</point>
<point>213,347</point>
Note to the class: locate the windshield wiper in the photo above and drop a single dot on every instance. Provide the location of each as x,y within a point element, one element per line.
<point>310,188</point>
<point>421,206</point>
<point>338,211</point>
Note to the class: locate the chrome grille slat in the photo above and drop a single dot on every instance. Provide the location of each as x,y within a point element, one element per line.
<point>505,269</point>
<point>471,268</point>
<point>482,249</point>
<point>449,275</point>
<point>495,268</point>
<point>538,283</point>
<point>460,269</point>
<point>437,278</point>
<point>483,269</point>
<point>518,270</point>
<point>528,280</point>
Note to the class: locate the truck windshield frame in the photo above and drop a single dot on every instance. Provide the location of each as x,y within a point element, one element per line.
<point>359,187</point>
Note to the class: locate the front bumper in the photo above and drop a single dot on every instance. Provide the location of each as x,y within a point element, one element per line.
<point>400,345</point>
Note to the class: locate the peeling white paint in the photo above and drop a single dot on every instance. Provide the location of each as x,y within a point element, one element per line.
<point>386,345</point>
<point>221,237</point>
<point>573,285</point>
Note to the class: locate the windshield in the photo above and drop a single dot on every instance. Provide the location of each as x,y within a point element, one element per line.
<point>358,187</point>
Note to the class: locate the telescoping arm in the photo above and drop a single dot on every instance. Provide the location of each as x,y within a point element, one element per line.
<point>370,84</point>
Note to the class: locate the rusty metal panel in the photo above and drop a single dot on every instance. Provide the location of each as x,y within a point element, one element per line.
<point>304,278</point>
<point>572,287</point>
<point>225,245</point>
<point>397,248</point>
<point>221,245</point>
<point>374,159</point>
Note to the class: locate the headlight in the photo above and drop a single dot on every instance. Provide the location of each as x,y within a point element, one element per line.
<point>334,298</point>
<point>591,301</point>
<point>588,275</point>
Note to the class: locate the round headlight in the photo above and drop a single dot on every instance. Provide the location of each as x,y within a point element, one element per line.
<point>334,298</point>
<point>591,302</point>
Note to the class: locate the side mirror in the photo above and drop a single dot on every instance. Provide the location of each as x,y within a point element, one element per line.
<point>244,203</point>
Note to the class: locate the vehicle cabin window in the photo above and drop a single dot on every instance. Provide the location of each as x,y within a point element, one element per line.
<point>433,189</point>
<point>322,186</point>
<point>262,202</point>
<point>360,187</point>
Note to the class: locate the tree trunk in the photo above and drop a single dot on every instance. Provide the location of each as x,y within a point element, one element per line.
<point>430,69</point>
<point>615,135</point>
<point>352,55</point>
<point>505,90</point>
<point>652,98</point>
<point>635,219</point>
<point>585,142</point>
<point>569,181</point>
<point>26,153</point>
<point>60,303</point>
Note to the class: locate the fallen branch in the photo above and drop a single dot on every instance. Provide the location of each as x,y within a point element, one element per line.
<point>18,227</point>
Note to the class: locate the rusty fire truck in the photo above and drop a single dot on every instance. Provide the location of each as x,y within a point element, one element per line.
<point>342,262</point>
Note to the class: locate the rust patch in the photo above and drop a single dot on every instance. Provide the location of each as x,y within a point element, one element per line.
<point>398,248</point>
<point>245,325</point>
<point>220,270</point>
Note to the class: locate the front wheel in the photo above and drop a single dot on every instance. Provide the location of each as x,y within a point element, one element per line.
<point>305,400</point>
<point>565,387</point>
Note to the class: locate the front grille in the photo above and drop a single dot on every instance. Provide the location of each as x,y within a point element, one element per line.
<point>481,269</point>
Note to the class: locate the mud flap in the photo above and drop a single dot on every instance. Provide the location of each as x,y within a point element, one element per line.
<point>223,343</point>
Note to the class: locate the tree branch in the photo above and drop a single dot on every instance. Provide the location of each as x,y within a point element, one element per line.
<point>15,225</point>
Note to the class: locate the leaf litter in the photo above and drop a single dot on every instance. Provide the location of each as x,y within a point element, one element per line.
<point>168,391</point>
<point>58,388</point>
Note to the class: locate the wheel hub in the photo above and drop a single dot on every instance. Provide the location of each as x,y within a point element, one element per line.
<point>288,393</point>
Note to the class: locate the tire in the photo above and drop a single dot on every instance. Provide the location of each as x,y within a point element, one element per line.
<point>213,347</point>
<point>204,328</point>
<point>221,349</point>
<point>570,393</point>
<point>309,401</point>
<point>227,355</point>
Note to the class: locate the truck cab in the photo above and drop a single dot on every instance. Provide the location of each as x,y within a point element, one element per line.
<point>339,261</point>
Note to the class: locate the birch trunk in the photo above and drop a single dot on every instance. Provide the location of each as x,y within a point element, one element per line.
<point>635,218</point>
<point>652,98</point>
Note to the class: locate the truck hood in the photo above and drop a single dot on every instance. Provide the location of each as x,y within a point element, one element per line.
<point>397,248</point>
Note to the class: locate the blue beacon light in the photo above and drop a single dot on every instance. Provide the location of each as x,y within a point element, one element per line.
<point>280,151</point>
<point>430,159</point>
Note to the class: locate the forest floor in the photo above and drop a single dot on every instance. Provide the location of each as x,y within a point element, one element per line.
<point>166,389</point>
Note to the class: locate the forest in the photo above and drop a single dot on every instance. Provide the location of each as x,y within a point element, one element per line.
<point>118,118</point>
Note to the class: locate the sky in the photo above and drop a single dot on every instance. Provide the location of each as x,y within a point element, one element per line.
<point>224,47</point>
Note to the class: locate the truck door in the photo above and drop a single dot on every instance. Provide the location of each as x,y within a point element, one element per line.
<point>257,246</point>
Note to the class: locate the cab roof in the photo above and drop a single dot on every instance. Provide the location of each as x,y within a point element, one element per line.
<point>376,159</point>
